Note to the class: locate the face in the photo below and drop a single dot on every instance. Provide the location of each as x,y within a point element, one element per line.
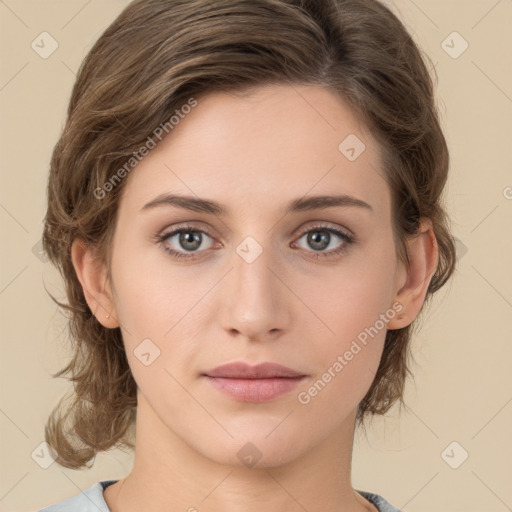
<point>308,287</point>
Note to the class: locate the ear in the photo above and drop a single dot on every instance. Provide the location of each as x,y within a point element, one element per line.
<point>413,282</point>
<point>91,273</point>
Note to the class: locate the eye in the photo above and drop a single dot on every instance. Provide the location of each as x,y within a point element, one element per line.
<point>186,241</point>
<point>320,238</point>
<point>181,241</point>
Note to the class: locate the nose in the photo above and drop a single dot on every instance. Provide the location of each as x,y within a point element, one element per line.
<point>256,301</point>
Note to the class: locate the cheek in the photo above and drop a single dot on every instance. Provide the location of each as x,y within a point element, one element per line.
<point>347,358</point>
<point>354,306</point>
<point>351,300</point>
<point>151,296</point>
<point>159,323</point>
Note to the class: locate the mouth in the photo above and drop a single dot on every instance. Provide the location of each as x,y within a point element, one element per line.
<point>260,383</point>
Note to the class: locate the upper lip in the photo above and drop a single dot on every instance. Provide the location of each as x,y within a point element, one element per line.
<point>240,370</point>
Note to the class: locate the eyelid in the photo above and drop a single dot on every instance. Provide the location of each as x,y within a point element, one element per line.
<point>324,225</point>
<point>319,224</point>
<point>190,226</point>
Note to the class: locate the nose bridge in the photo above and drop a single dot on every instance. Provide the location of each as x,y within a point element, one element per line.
<point>256,302</point>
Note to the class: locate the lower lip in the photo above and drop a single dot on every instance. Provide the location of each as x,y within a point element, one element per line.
<point>255,390</point>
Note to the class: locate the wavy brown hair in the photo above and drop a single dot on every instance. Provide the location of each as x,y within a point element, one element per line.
<point>149,62</point>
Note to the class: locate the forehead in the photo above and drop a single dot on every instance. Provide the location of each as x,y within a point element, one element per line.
<point>271,143</point>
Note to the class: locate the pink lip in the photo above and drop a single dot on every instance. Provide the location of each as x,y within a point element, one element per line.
<point>242,370</point>
<point>259,383</point>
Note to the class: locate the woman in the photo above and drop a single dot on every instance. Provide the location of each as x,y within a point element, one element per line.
<point>245,205</point>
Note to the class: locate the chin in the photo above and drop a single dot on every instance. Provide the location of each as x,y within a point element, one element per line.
<point>254,447</point>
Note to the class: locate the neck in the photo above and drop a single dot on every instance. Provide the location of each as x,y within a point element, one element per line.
<point>168,474</point>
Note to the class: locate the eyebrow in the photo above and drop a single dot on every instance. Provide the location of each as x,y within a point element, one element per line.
<point>302,204</point>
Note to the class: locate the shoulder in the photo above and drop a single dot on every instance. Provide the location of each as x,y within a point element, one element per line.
<point>377,500</point>
<point>89,500</point>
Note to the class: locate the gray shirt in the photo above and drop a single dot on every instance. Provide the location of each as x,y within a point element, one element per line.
<point>92,500</point>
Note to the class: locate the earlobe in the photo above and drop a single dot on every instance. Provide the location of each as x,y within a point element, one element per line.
<point>423,255</point>
<point>91,273</point>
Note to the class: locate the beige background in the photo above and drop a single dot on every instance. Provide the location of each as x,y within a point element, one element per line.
<point>463,387</point>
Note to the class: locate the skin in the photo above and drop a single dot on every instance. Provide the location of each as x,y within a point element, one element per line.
<point>253,153</point>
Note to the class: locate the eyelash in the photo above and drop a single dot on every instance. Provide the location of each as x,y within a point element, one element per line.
<point>347,239</point>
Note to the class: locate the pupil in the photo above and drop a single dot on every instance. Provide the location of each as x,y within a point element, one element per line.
<point>321,238</point>
<point>190,237</point>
